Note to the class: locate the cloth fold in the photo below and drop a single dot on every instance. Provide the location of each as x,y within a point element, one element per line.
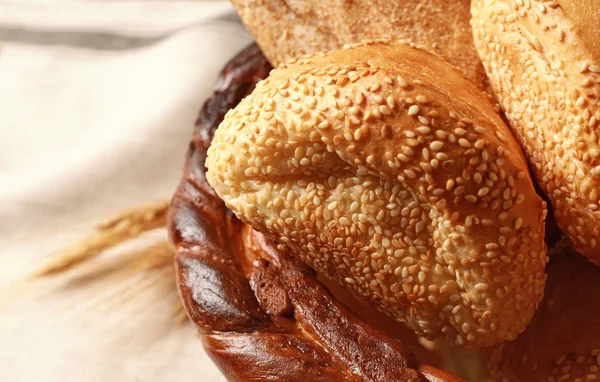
<point>97,103</point>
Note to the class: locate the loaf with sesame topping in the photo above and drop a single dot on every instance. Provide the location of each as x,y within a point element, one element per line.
<point>563,341</point>
<point>288,29</point>
<point>383,168</point>
<point>543,60</point>
<point>261,314</point>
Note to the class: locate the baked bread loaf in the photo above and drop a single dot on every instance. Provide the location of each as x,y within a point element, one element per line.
<point>383,168</point>
<point>543,60</point>
<point>261,314</point>
<point>288,29</point>
<point>563,341</point>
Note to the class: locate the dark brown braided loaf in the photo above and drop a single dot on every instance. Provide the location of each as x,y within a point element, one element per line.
<point>263,315</point>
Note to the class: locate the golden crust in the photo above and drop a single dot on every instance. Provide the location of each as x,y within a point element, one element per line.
<point>585,20</point>
<point>288,29</point>
<point>386,170</point>
<point>563,341</point>
<point>543,60</point>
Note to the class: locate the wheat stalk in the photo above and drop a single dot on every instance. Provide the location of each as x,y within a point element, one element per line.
<point>127,225</point>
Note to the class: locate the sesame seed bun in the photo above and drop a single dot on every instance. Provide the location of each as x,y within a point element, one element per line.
<point>289,29</point>
<point>387,171</point>
<point>543,60</point>
<point>563,341</point>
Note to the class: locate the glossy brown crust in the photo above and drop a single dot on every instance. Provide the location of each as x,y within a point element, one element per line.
<point>262,315</point>
<point>563,341</point>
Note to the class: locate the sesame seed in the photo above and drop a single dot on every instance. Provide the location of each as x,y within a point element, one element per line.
<point>410,173</point>
<point>423,120</point>
<point>436,145</point>
<point>402,82</point>
<point>421,99</point>
<point>391,102</point>
<point>471,198</point>
<point>423,129</point>
<point>385,110</point>
<point>464,143</point>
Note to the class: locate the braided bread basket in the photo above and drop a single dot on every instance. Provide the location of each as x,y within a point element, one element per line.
<point>261,314</point>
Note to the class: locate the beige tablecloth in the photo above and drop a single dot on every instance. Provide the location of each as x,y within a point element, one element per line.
<point>97,101</point>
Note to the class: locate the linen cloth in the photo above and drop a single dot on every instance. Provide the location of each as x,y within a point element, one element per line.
<point>97,104</point>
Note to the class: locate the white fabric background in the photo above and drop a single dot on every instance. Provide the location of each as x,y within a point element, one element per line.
<point>97,102</point>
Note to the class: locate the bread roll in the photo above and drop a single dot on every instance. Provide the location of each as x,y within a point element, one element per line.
<point>386,170</point>
<point>543,60</point>
<point>563,341</point>
<point>287,29</point>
